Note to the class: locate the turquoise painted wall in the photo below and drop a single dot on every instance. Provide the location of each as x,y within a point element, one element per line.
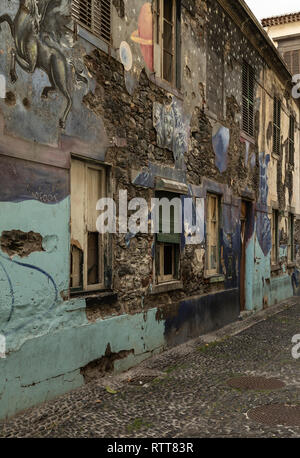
<point>48,340</point>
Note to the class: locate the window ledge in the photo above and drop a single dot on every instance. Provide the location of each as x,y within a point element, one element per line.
<point>96,298</point>
<point>247,137</point>
<point>275,268</point>
<point>292,265</point>
<point>214,278</point>
<point>167,287</point>
<point>166,86</point>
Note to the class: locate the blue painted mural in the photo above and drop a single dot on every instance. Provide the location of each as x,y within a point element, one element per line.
<point>22,180</point>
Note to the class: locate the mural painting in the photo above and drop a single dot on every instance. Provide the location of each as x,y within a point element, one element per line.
<point>220,140</point>
<point>37,31</point>
<point>144,34</point>
<point>172,129</point>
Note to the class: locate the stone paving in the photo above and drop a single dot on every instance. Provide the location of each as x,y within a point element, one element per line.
<point>183,392</point>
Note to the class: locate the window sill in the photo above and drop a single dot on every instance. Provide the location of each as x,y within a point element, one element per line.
<point>291,264</point>
<point>275,268</point>
<point>214,278</point>
<point>167,287</point>
<point>166,86</point>
<point>247,137</point>
<point>96,298</point>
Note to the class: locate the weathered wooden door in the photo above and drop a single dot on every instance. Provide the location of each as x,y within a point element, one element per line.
<point>243,256</point>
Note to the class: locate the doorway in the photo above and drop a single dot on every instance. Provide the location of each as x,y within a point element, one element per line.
<point>244,214</point>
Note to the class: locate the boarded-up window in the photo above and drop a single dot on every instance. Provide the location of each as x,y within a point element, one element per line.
<point>291,246</point>
<point>167,14</point>
<point>248,99</point>
<point>87,187</point>
<point>94,15</point>
<point>168,242</point>
<point>275,248</point>
<point>292,141</point>
<point>212,234</point>
<point>276,125</point>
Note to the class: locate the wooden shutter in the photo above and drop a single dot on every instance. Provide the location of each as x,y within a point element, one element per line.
<point>248,99</point>
<point>94,15</point>
<point>292,140</point>
<point>292,60</point>
<point>276,126</point>
<point>212,248</point>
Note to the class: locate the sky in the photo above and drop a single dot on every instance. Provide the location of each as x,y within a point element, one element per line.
<point>267,8</point>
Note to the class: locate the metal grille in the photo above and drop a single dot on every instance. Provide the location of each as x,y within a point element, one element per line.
<point>94,15</point>
<point>276,415</point>
<point>276,125</point>
<point>255,383</point>
<point>248,99</point>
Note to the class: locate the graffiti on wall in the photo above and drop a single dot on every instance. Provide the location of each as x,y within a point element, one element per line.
<point>144,34</point>
<point>172,129</point>
<point>22,180</point>
<point>37,31</point>
<point>263,222</point>
<point>220,141</point>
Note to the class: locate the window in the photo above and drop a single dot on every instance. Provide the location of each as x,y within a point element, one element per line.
<point>212,234</point>
<point>166,45</point>
<point>168,239</point>
<point>275,249</point>
<point>276,126</point>
<point>248,99</point>
<point>291,246</point>
<point>292,140</point>
<point>94,15</point>
<point>292,60</point>
<point>87,187</point>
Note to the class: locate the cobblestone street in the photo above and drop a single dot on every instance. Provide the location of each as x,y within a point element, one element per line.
<point>183,392</point>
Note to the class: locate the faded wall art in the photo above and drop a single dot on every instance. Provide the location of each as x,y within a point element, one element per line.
<point>46,78</point>
<point>220,141</point>
<point>22,180</point>
<point>263,228</point>
<point>172,128</point>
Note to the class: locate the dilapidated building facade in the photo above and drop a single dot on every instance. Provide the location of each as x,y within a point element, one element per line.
<point>185,99</point>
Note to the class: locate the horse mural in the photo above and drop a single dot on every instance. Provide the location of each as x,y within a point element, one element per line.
<point>37,30</point>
